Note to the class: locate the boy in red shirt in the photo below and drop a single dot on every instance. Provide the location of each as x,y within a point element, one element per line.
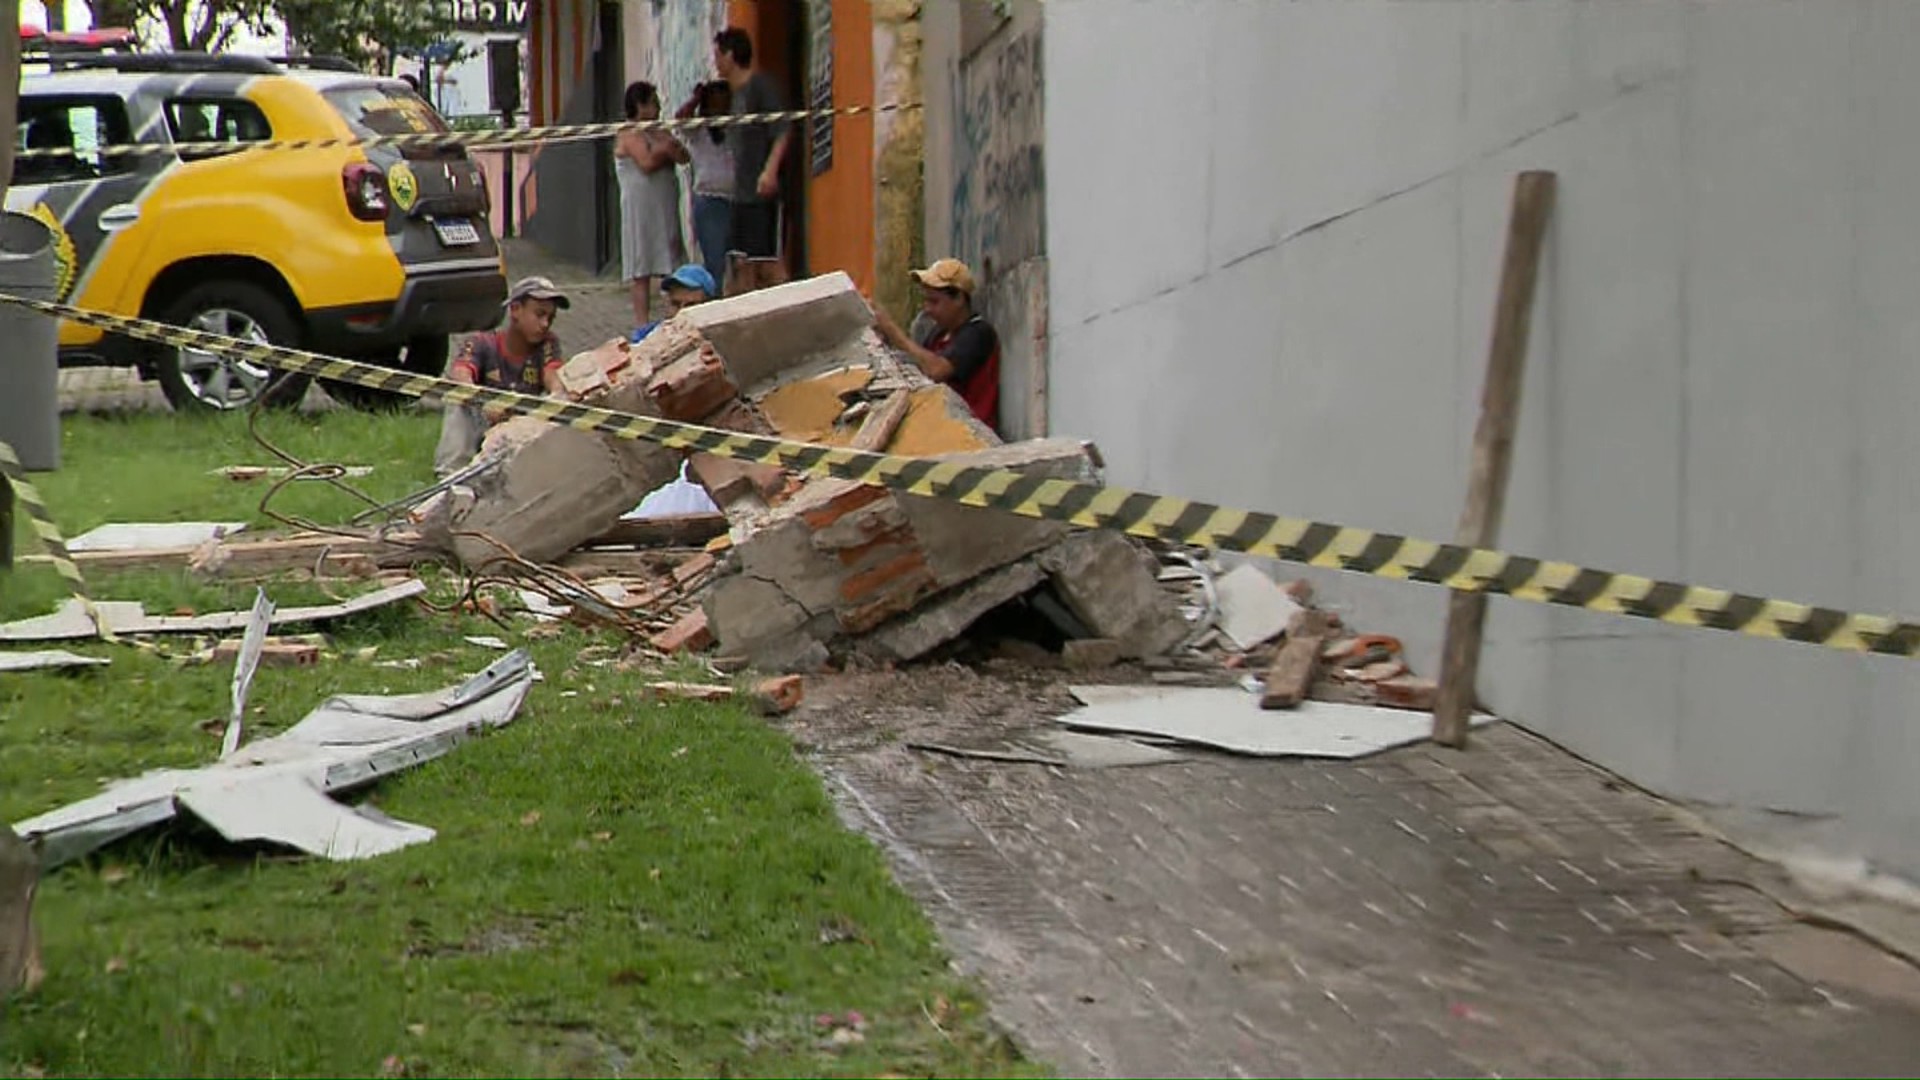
<point>523,356</point>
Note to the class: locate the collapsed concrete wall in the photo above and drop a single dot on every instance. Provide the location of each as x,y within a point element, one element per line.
<point>819,567</point>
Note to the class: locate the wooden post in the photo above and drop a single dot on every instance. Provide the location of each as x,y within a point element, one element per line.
<point>1493,446</point>
<point>877,431</point>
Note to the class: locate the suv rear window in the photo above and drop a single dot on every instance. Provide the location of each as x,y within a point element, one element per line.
<point>379,110</point>
<point>224,120</point>
<point>82,124</point>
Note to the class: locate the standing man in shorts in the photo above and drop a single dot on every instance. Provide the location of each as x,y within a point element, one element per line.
<point>758,149</point>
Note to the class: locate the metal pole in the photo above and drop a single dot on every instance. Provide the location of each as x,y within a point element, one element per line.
<point>6,523</point>
<point>506,183</point>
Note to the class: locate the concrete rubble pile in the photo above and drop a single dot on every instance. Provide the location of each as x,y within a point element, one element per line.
<point>814,569</point>
<point>1273,641</point>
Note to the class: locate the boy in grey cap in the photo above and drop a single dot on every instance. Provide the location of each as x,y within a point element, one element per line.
<point>524,356</point>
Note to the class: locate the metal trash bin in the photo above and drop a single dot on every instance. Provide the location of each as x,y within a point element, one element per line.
<point>29,344</point>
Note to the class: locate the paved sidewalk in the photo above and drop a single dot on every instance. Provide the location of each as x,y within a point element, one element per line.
<point>601,308</point>
<point>1509,910</point>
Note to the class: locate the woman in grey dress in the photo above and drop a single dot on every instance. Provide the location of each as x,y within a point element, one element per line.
<point>650,242</point>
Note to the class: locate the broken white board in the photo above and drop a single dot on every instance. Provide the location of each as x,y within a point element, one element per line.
<point>244,665</point>
<point>1253,610</point>
<point>48,660</point>
<point>71,621</point>
<point>256,793</point>
<point>153,537</point>
<point>1229,718</point>
<point>291,809</point>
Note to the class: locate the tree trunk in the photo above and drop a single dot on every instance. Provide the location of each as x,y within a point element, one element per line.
<point>174,18</point>
<point>201,39</point>
<point>113,14</point>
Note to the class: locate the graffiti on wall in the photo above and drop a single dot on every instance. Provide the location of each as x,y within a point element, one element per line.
<point>686,46</point>
<point>999,185</point>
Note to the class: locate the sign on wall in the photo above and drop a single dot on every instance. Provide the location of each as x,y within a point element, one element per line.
<point>820,83</point>
<point>489,15</point>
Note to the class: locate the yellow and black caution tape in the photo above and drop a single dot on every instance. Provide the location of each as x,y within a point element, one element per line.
<point>1157,517</point>
<point>504,137</point>
<point>48,533</point>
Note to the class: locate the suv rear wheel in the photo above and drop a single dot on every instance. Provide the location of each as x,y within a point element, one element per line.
<point>196,381</point>
<point>421,356</point>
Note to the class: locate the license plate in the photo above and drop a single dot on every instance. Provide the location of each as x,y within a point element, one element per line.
<point>456,233</point>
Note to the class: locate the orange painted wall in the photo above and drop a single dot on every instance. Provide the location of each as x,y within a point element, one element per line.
<point>840,201</point>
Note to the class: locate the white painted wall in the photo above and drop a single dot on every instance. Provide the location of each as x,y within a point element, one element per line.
<point>1275,231</point>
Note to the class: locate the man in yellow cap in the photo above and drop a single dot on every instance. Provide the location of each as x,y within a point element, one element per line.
<point>958,347</point>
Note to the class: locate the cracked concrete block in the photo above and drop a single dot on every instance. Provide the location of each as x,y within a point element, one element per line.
<point>784,552</point>
<point>949,615</point>
<point>556,492</point>
<point>1111,584</point>
<point>765,333</point>
<point>559,487</point>
<point>755,618</point>
<point>861,527</point>
<point>963,542</point>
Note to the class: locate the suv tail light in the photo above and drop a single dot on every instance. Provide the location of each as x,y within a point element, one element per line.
<point>366,188</point>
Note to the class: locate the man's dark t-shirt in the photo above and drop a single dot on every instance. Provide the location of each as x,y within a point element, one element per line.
<point>485,359</point>
<point>973,348</point>
<point>752,143</point>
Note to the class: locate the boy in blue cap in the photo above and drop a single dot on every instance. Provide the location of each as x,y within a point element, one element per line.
<point>685,287</point>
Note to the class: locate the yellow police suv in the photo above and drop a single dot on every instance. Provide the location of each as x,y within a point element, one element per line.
<point>373,253</point>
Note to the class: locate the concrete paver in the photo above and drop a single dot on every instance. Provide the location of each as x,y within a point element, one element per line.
<point>1507,910</point>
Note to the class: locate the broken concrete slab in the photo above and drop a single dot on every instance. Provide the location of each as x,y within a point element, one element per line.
<point>856,557</point>
<point>551,494</point>
<point>939,621</point>
<point>1090,654</point>
<point>962,541</point>
<point>1112,587</point>
<point>71,621</point>
<point>766,333</point>
<point>273,789</point>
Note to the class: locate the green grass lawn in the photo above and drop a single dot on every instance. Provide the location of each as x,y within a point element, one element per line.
<point>618,886</point>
